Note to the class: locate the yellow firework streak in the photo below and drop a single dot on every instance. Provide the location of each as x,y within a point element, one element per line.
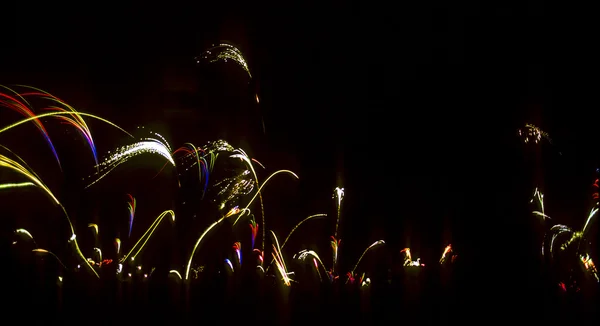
<point>141,243</point>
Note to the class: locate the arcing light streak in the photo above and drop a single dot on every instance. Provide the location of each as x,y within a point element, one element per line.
<point>279,261</point>
<point>447,251</point>
<point>238,250</point>
<point>75,120</point>
<point>175,272</point>
<point>99,253</point>
<point>590,216</point>
<point>131,206</point>
<point>298,225</point>
<point>58,113</point>
<point>407,256</point>
<point>557,230</point>
<point>258,193</point>
<point>118,245</point>
<point>376,243</point>
<point>15,166</point>
<point>539,196</point>
<point>44,251</point>
<point>123,154</point>
<point>16,185</point>
<point>244,157</point>
<point>225,52</point>
<point>254,229</point>
<point>335,245</point>
<point>80,125</point>
<point>302,255</point>
<point>294,229</point>
<point>95,226</point>
<point>146,236</point>
<point>257,162</point>
<point>232,212</point>
<point>25,232</point>
<point>228,262</point>
<point>21,106</point>
<point>338,195</point>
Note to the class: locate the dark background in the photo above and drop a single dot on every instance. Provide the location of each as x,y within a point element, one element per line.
<point>412,108</point>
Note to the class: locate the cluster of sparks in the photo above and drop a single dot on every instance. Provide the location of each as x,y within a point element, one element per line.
<point>533,134</point>
<point>225,52</point>
<point>233,193</point>
<point>563,244</point>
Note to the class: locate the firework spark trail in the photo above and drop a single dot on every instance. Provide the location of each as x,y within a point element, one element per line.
<point>257,162</point>
<point>175,272</point>
<point>224,52</point>
<point>280,261</point>
<point>16,185</point>
<point>447,251</point>
<point>204,166</point>
<point>75,120</point>
<point>203,169</point>
<point>95,227</point>
<point>81,127</point>
<point>302,255</point>
<point>233,211</point>
<point>254,229</point>
<point>231,188</point>
<point>587,221</point>
<point>338,195</point>
<point>533,134</point>
<point>408,256</point>
<point>123,154</point>
<point>238,250</point>
<point>229,264</point>
<point>589,266</point>
<point>294,229</point>
<point>335,245</point>
<point>374,244</point>
<point>44,251</point>
<point>21,106</point>
<point>118,246</point>
<point>97,250</point>
<point>244,157</point>
<point>29,174</point>
<point>147,235</point>
<point>59,113</point>
<point>298,225</point>
<point>131,205</point>
<point>538,197</point>
<point>27,234</point>
<point>556,231</point>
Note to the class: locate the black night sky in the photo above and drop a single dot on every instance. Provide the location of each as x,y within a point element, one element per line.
<point>413,109</point>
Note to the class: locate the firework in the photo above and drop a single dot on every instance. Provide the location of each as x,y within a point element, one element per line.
<point>376,243</point>
<point>338,196</point>
<point>131,206</point>
<point>280,262</point>
<point>225,52</point>
<point>139,245</point>
<point>533,134</point>
<point>25,171</point>
<point>125,153</point>
<point>17,103</point>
